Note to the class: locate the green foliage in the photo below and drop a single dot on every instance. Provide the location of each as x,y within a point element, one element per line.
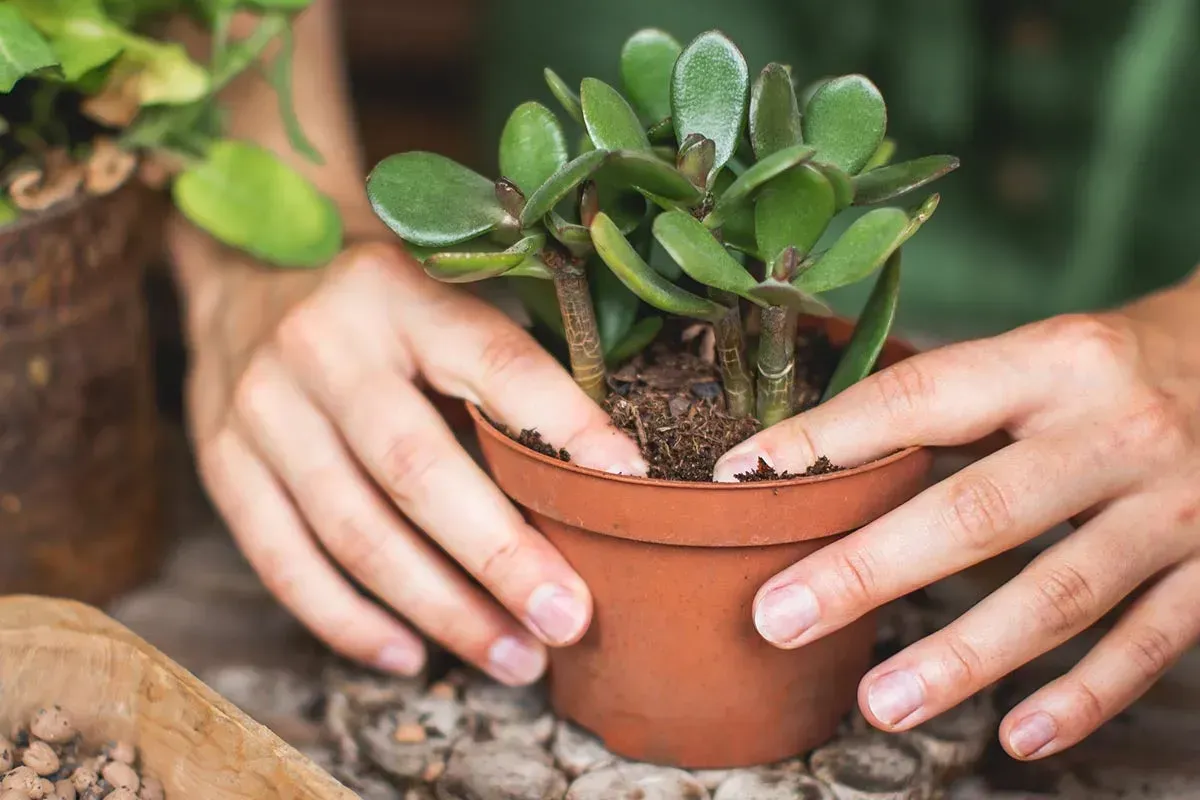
<point>737,218</point>
<point>871,331</point>
<point>91,52</point>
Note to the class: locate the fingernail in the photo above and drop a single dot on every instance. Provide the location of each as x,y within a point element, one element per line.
<point>402,659</point>
<point>515,662</point>
<point>634,469</point>
<point>558,614</point>
<point>1033,734</point>
<point>895,696</point>
<point>786,612</point>
<point>738,461</point>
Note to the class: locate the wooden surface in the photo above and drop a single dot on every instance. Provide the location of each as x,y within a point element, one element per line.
<point>209,612</point>
<point>115,686</point>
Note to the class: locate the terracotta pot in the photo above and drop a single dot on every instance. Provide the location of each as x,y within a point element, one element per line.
<point>78,499</point>
<point>672,670</point>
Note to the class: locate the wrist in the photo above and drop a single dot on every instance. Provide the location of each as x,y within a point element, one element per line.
<point>1167,327</point>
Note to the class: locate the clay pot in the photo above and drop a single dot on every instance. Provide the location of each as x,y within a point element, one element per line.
<point>672,670</point>
<point>78,500</point>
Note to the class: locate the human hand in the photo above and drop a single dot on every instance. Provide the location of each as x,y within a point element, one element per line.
<point>323,454</point>
<point>1104,411</point>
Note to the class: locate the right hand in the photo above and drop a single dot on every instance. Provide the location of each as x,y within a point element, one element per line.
<point>327,459</point>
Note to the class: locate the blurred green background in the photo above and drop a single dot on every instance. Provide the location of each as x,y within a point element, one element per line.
<point>1076,122</point>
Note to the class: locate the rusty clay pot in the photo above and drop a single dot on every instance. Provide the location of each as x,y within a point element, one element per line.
<point>672,670</point>
<point>78,499</point>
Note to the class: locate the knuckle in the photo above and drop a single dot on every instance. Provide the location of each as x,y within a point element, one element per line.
<point>961,662</point>
<point>355,549</point>
<point>979,510</point>
<point>1161,426</point>
<point>406,463</point>
<point>854,578</point>
<point>1087,705</point>
<point>300,333</point>
<point>253,395</point>
<point>1152,652</point>
<point>499,560</point>
<point>1092,342</point>
<point>1063,600</point>
<point>904,388</point>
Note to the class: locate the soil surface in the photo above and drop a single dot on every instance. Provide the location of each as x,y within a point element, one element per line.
<point>669,400</point>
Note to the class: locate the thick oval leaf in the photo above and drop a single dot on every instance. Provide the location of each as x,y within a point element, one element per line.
<point>466,267</point>
<point>23,50</point>
<point>753,179</point>
<point>661,132</point>
<point>793,211</point>
<point>640,336</point>
<point>616,306</point>
<point>649,173</point>
<point>846,120</point>
<point>888,183</point>
<point>843,185</point>
<point>564,95</point>
<point>883,155</point>
<point>575,238</point>
<point>427,199</point>
<point>699,254</point>
<point>646,63</point>
<point>532,147</point>
<point>244,196</point>
<point>871,331</point>
<point>861,250</point>
<point>643,280</point>
<point>610,121</point>
<point>560,184</point>
<point>777,293</point>
<point>774,112</point>
<point>625,207</point>
<point>709,88</point>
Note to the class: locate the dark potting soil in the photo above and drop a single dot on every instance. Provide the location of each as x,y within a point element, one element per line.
<point>669,400</point>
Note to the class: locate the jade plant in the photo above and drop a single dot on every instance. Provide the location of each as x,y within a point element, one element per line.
<point>91,91</point>
<point>695,192</point>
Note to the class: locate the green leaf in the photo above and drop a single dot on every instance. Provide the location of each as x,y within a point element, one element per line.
<point>774,112</point>
<point>611,122</point>
<point>859,251</point>
<point>427,199</point>
<point>646,63</point>
<point>643,280</point>
<point>532,147</point>
<point>560,184</point>
<point>564,95</point>
<point>888,183</point>
<point>281,5</point>
<point>846,120</point>
<point>8,212</point>
<point>244,196</point>
<point>843,185</point>
<point>22,48</point>
<point>466,267</point>
<point>793,211</point>
<point>166,74</point>
<point>871,331</point>
<point>640,336</point>
<point>280,76</point>
<point>699,254</point>
<point>709,88</point>
<point>661,132</point>
<point>753,179</point>
<point>616,306</point>
<point>883,155</point>
<point>626,208</point>
<point>648,173</point>
<point>772,292</point>
<point>575,238</point>
<point>921,214</point>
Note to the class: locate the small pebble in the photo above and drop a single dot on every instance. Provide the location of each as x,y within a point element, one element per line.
<point>577,751</point>
<point>41,758</point>
<point>124,752</point>
<point>21,779</point>
<point>84,778</point>
<point>152,789</point>
<point>64,790</point>
<point>121,794</point>
<point>13,794</point>
<point>769,784</point>
<point>7,751</point>
<point>409,733</point>
<point>121,776</point>
<point>637,782</point>
<point>52,725</point>
<point>500,771</point>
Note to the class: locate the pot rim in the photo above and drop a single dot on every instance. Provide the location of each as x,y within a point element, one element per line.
<point>483,424</point>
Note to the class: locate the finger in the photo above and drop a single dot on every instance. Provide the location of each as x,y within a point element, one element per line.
<point>984,509</point>
<point>497,365</point>
<point>1062,592</point>
<point>368,538</point>
<point>952,396</point>
<point>1153,634</point>
<point>276,543</point>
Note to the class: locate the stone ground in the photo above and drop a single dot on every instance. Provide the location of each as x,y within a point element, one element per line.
<point>210,613</point>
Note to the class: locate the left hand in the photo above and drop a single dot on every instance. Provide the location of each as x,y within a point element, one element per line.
<point>1104,411</point>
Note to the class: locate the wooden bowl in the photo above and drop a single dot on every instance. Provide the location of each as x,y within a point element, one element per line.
<point>116,686</point>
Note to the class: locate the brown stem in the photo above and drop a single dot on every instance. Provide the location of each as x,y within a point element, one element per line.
<point>777,365</point>
<point>582,332</point>
<point>731,358</point>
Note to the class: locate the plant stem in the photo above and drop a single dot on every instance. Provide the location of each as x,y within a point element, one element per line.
<point>777,365</point>
<point>582,332</point>
<point>731,358</point>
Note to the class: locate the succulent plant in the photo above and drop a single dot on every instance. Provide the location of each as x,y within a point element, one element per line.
<point>735,181</point>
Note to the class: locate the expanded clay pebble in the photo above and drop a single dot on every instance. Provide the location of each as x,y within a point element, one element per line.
<point>46,761</point>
